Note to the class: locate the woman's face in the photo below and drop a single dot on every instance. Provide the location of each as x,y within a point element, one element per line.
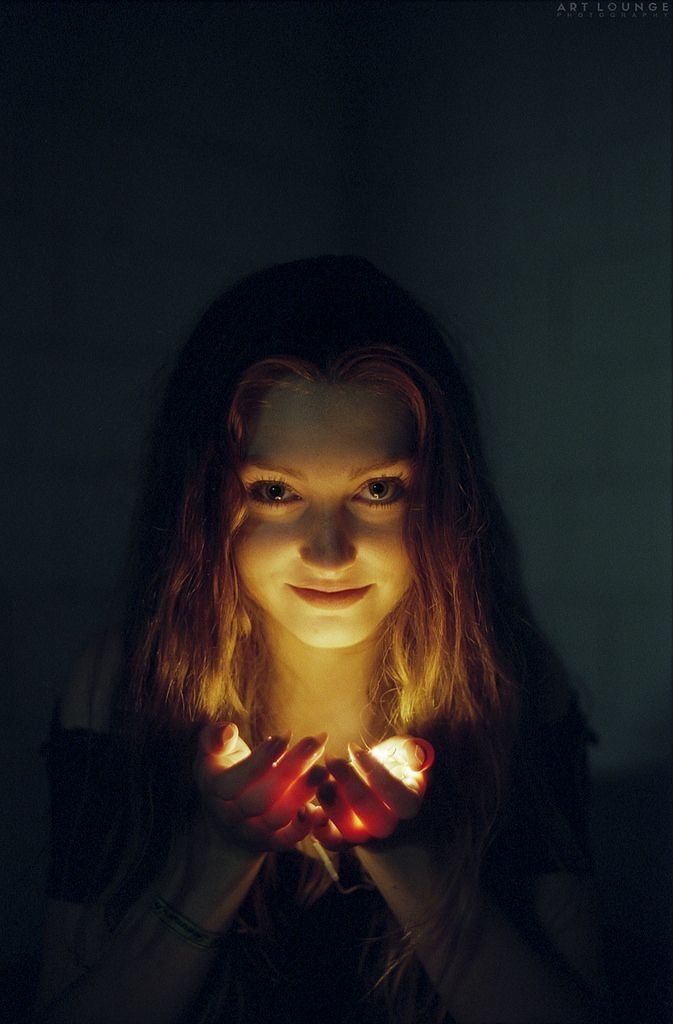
<point>326,474</point>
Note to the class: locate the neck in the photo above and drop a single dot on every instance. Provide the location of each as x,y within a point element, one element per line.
<point>316,690</point>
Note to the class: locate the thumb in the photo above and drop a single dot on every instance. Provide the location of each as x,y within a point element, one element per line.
<point>218,738</point>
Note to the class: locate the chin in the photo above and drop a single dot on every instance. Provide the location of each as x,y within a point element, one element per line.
<point>332,639</point>
<point>330,632</point>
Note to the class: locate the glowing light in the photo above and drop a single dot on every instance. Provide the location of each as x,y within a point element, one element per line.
<point>405,759</point>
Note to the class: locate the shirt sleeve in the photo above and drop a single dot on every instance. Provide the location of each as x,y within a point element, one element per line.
<point>542,827</point>
<point>85,809</point>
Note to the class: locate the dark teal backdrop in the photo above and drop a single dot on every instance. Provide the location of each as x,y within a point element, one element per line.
<point>508,162</point>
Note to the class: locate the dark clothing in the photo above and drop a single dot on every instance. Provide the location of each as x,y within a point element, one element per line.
<point>309,965</point>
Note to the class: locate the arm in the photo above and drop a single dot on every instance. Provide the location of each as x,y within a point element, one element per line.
<point>495,977</point>
<point>483,969</point>
<point>144,971</point>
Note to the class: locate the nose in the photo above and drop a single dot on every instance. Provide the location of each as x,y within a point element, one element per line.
<point>328,543</point>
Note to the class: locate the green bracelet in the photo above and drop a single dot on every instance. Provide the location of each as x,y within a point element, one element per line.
<point>188,930</point>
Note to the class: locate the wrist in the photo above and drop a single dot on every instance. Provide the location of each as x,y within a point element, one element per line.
<point>184,927</point>
<point>207,882</point>
<point>407,877</point>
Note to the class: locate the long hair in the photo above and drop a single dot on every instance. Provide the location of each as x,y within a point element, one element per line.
<point>459,654</point>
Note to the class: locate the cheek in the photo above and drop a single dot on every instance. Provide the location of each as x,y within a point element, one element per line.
<point>403,570</point>
<point>258,545</point>
<point>387,548</point>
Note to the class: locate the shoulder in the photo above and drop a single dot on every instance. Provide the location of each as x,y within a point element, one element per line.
<point>73,935</point>
<point>567,908</point>
<point>556,721</point>
<point>542,824</point>
<point>86,701</point>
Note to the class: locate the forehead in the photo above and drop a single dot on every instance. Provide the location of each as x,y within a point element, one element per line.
<point>299,420</point>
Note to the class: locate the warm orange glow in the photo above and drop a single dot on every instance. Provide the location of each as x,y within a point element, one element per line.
<point>357,823</point>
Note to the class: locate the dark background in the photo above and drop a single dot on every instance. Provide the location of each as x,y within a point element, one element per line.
<point>509,166</point>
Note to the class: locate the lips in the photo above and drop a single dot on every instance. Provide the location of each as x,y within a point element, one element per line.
<point>330,595</point>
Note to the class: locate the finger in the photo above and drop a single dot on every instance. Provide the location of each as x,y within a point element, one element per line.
<point>375,816</point>
<point>317,816</point>
<point>344,817</point>
<point>214,738</point>
<point>219,746</point>
<point>293,833</point>
<point>267,789</point>
<point>231,782</point>
<point>409,751</point>
<point>222,746</point>
<point>219,743</point>
<point>253,834</point>
<point>402,800</point>
<point>303,790</point>
<point>327,834</point>
<point>428,752</point>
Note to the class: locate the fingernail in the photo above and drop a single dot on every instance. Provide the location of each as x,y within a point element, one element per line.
<point>327,793</point>
<point>307,746</point>
<point>316,775</point>
<point>312,743</point>
<point>228,732</point>
<point>426,756</point>
<point>338,768</point>
<point>415,753</point>
<point>359,753</point>
<point>277,744</point>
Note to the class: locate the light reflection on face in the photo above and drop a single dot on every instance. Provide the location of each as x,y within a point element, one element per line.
<point>326,474</point>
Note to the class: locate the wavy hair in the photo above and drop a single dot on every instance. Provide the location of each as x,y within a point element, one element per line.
<point>459,653</point>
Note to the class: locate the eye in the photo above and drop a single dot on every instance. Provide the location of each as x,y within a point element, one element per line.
<point>272,492</point>
<point>384,491</point>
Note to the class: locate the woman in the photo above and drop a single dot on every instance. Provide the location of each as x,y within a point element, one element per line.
<point>321,569</point>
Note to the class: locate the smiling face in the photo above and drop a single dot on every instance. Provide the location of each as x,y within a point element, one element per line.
<point>326,474</point>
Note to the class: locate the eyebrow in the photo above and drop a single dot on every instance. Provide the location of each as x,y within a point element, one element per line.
<point>392,463</point>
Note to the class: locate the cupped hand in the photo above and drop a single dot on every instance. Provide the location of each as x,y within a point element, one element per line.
<point>257,799</point>
<point>367,796</point>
